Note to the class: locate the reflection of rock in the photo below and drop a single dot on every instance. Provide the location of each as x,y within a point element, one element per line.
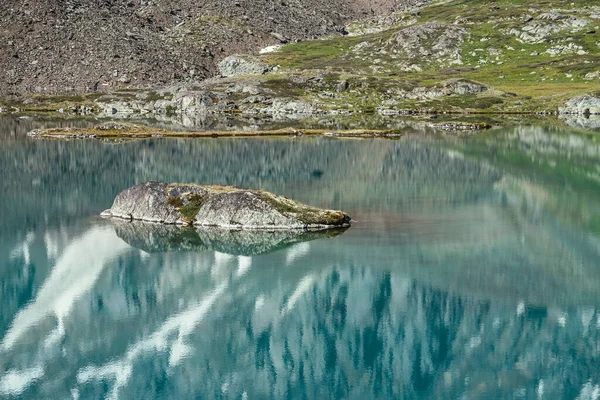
<point>220,206</point>
<point>160,238</point>
<point>591,122</point>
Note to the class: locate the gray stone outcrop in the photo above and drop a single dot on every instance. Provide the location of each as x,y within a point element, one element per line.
<point>219,206</point>
<point>238,65</point>
<point>581,105</point>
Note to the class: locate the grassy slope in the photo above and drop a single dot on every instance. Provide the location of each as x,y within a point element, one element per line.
<point>532,82</point>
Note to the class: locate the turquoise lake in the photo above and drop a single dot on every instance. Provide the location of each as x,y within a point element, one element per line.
<point>472,270</point>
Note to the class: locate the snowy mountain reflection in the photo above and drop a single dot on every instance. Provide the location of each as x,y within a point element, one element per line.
<point>471,272</point>
<point>111,320</point>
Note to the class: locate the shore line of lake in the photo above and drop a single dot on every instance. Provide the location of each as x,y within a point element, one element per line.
<point>134,131</point>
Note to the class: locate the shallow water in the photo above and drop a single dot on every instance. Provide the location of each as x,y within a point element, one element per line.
<point>472,271</point>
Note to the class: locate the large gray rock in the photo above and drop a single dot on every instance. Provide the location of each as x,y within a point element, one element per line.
<point>581,105</point>
<point>242,65</point>
<point>219,206</point>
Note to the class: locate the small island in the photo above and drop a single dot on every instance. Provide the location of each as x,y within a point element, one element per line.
<point>220,206</point>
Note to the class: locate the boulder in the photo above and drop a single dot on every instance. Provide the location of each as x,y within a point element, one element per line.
<point>237,65</point>
<point>219,206</point>
<point>581,105</point>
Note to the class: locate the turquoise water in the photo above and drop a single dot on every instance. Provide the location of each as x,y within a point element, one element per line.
<point>472,271</point>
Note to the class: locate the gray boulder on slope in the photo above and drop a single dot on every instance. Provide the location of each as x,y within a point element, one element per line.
<point>238,65</point>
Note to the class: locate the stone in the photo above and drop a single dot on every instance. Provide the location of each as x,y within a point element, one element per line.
<point>219,206</point>
<point>238,65</point>
<point>342,86</point>
<point>592,75</point>
<point>581,105</point>
<point>279,37</point>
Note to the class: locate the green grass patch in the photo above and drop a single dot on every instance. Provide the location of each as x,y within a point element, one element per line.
<point>175,202</point>
<point>190,209</point>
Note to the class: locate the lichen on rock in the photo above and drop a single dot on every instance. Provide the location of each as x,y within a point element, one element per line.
<point>219,206</point>
<point>420,44</point>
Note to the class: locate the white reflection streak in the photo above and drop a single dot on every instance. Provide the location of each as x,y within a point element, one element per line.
<point>15,382</point>
<point>244,265</point>
<point>296,252</point>
<point>220,270</point>
<point>23,248</point>
<point>223,258</point>
<point>303,286</point>
<point>70,278</point>
<point>52,247</point>
<point>184,323</point>
<point>589,392</point>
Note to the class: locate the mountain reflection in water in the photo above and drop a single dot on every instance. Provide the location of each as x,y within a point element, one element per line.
<point>466,275</point>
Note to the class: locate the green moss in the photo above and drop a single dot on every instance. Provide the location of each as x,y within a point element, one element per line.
<point>175,202</point>
<point>192,207</point>
<point>154,96</point>
<point>282,86</point>
<point>283,207</point>
<point>308,215</point>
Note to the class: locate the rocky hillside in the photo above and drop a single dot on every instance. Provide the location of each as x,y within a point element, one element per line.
<point>100,45</point>
<point>382,58</point>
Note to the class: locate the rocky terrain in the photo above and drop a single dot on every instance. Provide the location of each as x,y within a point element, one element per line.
<point>102,45</point>
<point>219,206</point>
<point>294,60</point>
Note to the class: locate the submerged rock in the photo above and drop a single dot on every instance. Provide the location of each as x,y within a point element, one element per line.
<point>219,206</point>
<point>153,238</point>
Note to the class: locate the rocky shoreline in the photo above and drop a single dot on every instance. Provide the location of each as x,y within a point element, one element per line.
<point>248,98</point>
<point>436,59</point>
